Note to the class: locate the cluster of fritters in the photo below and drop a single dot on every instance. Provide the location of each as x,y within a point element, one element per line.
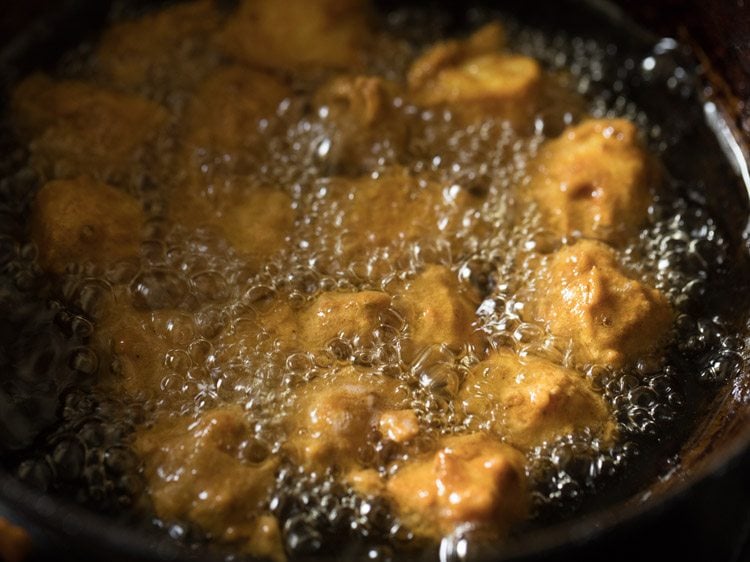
<point>592,187</point>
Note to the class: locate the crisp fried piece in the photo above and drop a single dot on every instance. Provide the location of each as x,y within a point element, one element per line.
<point>362,121</point>
<point>350,315</point>
<point>196,471</point>
<point>370,213</point>
<point>257,221</point>
<point>82,220</point>
<point>225,111</point>
<point>438,311</point>
<point>610,318</point>
<point>595,180</point>
<point>296,35</point>
<point>78,128</point>
<point>530,400</point>
<point>474,79</point>
<point>137,344</point>
<point>471,480</point>
<point>337,416</point>
<point>152,52</point>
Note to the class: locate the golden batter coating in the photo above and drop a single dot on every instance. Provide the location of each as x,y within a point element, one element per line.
<point>256,220</point>
<point>362,120</point>
<point>337,416</point>
<point>150,52</point>
<point>197,471</point>
<point>349,315</point>
<point>610,318</point>
<point>531,400</point>
<point>392,209</point>
<point>82,220</point>
<point>438,311</point>
<point>296,35</point>
<point>474,79</point>
<point>137,344</point>
<point>225,112</point>
<point>79,128</point>
<point>352,315</point>
<point>472,481</point>
<point>595,180</point>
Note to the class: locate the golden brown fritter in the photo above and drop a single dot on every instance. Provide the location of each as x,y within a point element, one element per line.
<point>438,311</point>
<point>196,471</point>
<point>256,220</point>
<point>296,35</point>
<point>472,480</point>
<point>475,79</point>
<point>531,400</point>
<point>78,128</point>
<point>137,344</point>
<point>151,53</point>
<point>82,220</point>
<point>224,114</point>
<point>610,318</point>
<point>354,315</point>
<point>362,122</point>
<point>337,416</point>
<point>595,179</point>
<point>389,210</point>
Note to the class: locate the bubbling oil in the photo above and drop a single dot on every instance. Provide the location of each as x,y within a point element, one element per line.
<point>82,447</point>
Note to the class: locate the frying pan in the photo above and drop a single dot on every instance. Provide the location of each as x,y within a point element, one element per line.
<point>698,510</point>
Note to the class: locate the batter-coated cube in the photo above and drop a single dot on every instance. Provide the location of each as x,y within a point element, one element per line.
<point>610,318</point>
<point>438,311</point>
<point>472,480</point>
<point>296,35</point>
<point>595,179</point>
<point>362,123</point>
<point>530,400</point>
<point>474,79</point>
<point>337,417</point>
<point>195,471</point>
<point>82,220</point>
<point>79,128</point>
<point>152,54</point>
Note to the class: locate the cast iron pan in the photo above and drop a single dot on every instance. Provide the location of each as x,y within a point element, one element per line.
<point>700,511</point>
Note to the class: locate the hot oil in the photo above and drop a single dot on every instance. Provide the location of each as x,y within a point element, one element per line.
<point>83,447</point>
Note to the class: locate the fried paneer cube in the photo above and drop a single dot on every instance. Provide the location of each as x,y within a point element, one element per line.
<point>362,122</point>
<point>610,318</point>
<point>82,220</point>
<point>151,52</point>
<point>297,35</point>
<point>438,311</point>
<point>531,400</point>
<point>224,114</point>
<point>256,220</point>
<point>138,344</point>
<point>392,209</point>
<point>337,415</point>
<point>79,128</point>
<point>475,79</point>
<point>195,471</point>
<point>472,480</point>
<point>595,180</point>
<point>351,315</point>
